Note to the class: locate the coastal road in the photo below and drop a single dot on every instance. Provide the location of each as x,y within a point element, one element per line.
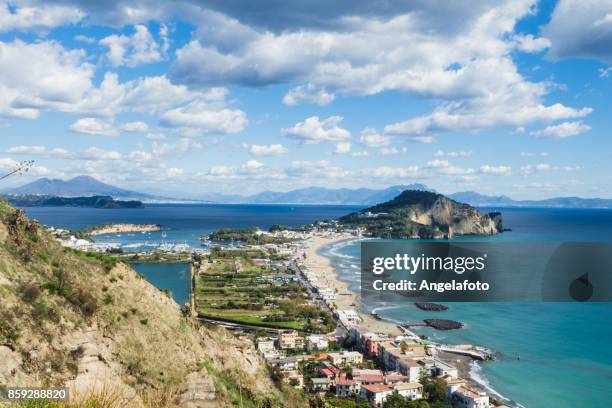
<point>341,329</point>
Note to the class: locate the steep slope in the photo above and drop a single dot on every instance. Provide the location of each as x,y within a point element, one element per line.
<point>82,320</point>
<point>423,214</point>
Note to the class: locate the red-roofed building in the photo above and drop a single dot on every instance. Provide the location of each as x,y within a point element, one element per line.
<point>345,387</point>
<point>465,397</point>
<point>366,379</point>
<point>327,372</point>
<point>395,378</point>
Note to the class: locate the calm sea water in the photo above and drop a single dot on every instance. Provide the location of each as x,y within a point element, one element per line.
<point>549,354</point>
<point>183,223</point>
<point>168,276</point>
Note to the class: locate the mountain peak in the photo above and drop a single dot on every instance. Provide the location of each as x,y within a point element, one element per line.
<point>84,178</point>
<point>79,186</point>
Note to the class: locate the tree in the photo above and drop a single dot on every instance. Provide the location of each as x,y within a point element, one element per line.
<point>316,402</point>
<point>398,401</point>
<point>435,390</point>
<point>395,401</point>
<point>439,405</point>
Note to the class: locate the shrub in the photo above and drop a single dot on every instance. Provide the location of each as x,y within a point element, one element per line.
<point>44,256</point>
<point>144,322</point>
<point>85,301</point>
<point>9,331</point>
<point>42,311</point>
<point>29,291</point>
<point>108,299</point>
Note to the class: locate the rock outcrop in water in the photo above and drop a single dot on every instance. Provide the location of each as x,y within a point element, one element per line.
<point>423,214</point>
<point>431,307</point>
<point>443,324</point>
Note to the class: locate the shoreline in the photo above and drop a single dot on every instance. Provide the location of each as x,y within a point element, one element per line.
<point>321,266</point>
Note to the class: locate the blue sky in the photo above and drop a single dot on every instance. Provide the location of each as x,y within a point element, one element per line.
<point>500,97</point>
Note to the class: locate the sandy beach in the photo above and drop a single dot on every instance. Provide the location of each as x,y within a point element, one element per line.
<point>321,267</point>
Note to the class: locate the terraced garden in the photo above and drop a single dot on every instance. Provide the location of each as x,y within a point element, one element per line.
<point>239,290</point>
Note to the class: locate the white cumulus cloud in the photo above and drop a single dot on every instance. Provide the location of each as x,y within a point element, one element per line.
<point>201,117</point>
<point>135,127</point>
<point>308,93</point>
<point>137,49</point>
<point>93,126</point>
<point>562,130</point>
<point>267,150</point>
<point>581,28</point>
<point>40,17</point>
<point>314,130</point>
<point>372,138</point>
<point>496,170</point>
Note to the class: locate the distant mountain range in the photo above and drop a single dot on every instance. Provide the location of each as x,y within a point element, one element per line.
<point>82,186</point>
<point>320,195</point>
<point>481,200</point>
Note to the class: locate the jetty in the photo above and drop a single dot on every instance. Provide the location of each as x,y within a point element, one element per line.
<point>467,350</point>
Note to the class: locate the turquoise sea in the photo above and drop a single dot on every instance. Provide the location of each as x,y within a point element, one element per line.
<point>548,354</point>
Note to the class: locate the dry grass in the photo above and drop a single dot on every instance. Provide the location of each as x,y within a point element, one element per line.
<point>165,397</point>
<point>42,292</point>
<point>106,396</point>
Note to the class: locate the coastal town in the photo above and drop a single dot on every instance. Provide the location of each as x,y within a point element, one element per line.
<point>276,290</point>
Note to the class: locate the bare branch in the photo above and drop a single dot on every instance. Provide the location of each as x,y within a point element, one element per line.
<point>21,168</point>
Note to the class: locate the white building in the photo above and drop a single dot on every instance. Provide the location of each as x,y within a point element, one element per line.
<point>345,357</point>
<point>376,394</point>
<point>410,368</point>
<point>411,390</point>
<point>317,342</point>
<point>265,344</point>
<point>466,397</point>
<point>327,293</point>
<point>348,317</point>
<point>444,369</point>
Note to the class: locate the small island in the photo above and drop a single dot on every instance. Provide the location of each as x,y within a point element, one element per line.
<point>416,214</point>
<point>121,229</point>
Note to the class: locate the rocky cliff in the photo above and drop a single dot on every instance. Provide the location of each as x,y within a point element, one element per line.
<point>423,214</point>
<point>94,325</point>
